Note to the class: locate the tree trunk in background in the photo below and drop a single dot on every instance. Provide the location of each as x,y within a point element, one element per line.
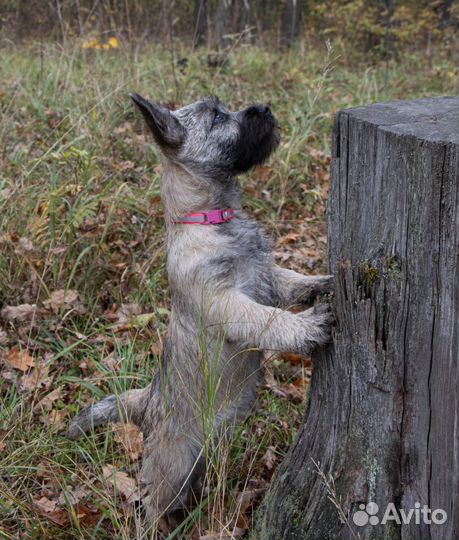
<point>200,23</point>
<point>445,18</point>
<point>383,417</point>
<point>290,22</point>
<point>245,15</point>
<point>221,22</point>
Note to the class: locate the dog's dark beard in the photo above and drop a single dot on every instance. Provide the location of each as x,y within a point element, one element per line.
<point>258,140</point>
<point>250,155</point>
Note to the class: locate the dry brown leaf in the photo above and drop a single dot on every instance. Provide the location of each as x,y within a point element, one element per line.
<point>156,348</point>
<point>246,498</point>
<point>130,437</point>
<point>244,502</point>
<point>113,361</point>
<point>46,505</point>
<point>123,314</point>
<point>120,130</point>
<point>46,403</point>
<point>72,496</point>
<point>49,509</point>
<point>54,419</point>
<point>315,153</point>
<point>68,299</point>
<point>289,238</point>
<point>126,165</point>
<point>240,528</point>
<point>87,516</point>
<point>270,458</point>
<point>296,391</point>
<point>263,173</point>
<point>23,312</point>
<point>19,359</point>
<point>296,359</point>
<point>128,316</point>
<point>217,536</point>
<point>36,378</point>
<point>271,382</point>
<point>122,483</point>
<point>2,440</point>
<point>3,337</point>
<point>24,246</point>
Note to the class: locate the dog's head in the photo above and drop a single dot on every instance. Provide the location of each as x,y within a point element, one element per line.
<point>209,139</point>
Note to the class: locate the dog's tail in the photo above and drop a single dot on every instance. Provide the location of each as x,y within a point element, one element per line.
<point>127,407</point>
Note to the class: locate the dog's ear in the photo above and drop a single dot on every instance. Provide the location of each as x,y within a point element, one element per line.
<point>166,129</point>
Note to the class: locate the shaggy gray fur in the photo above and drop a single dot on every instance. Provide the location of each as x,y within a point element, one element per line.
<point>229,299</point>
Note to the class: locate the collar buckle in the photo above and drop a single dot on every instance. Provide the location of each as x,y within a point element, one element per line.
<point>214,217</point>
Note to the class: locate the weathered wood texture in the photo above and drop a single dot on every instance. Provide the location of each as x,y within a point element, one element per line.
<point>383,410</point>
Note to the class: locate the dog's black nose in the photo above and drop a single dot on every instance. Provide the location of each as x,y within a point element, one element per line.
<point>264,109</point>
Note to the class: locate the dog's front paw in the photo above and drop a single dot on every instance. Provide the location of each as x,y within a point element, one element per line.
<point>325,284</point>
<point>318,326</point>
<point>312,287</point>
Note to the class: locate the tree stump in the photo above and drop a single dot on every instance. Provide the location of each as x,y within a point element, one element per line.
<point>383,419</point>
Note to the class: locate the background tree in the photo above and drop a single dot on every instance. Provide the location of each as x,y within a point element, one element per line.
<point>200,23</point>
<point>411,23</point>
<point>291,18</point>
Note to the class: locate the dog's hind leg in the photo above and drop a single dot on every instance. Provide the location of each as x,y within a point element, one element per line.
<point>170,468</point>
<point>127,407</point>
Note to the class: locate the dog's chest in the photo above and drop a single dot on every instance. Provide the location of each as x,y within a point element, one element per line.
<point>237,257</point>
<point>246,260</point>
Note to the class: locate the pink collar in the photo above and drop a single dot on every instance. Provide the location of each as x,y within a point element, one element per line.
<point>214,217</point>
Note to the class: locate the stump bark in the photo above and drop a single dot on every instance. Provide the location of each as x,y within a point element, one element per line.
<point>382,424</point>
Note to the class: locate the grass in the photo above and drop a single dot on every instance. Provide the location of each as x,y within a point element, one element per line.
<point>80,211</point>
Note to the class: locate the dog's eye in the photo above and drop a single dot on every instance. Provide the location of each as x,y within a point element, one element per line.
<point>219,118</point>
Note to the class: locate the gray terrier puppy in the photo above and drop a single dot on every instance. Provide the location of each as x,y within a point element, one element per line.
<point>229,298</point>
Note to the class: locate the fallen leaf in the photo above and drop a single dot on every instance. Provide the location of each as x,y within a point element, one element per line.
<point>19,359</point>
<point>119,130</point>
<point>289,238</point>
<point>271,382</point>
<point>296,359</point>
<point>22,312</point>
<point>2,440</point>
<point>46,505</point>
<point>246,498</point>
<point>130,437</point>
<point>72,496</point>
<point>270,458</point>
<point>46,403</point>
<point>24,246</point>
<point>123,314</point>
<point>156,348</point>
<point>315,153</point>
<point>122,483</point>
<point>3,337</point>
<point>129,316</point>
<point>126,165</point>
<point>112,361</point>
<point>87,516</point>
<point>54,419</point>
<point>296,391</point>
<point>36,378</point>
<point>217,536</point>
<point>49,509</point>
<point>68,299</point>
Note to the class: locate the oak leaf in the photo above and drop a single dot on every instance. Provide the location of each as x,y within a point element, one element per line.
<point>19,359</point>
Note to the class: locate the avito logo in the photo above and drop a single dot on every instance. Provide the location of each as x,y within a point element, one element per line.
<point>419,514</point>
